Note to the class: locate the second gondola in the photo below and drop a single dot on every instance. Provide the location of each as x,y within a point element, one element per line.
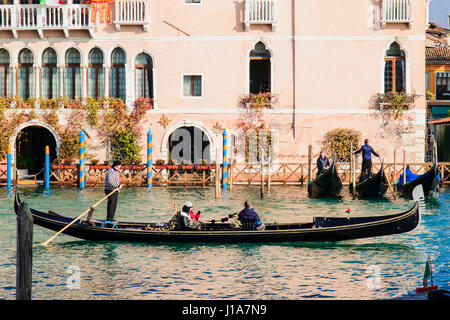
<point>326,184</point>
<point>372,187</point>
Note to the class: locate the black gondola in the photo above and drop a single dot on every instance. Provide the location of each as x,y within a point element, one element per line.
<point>372,187</point>
<point>320,229</point>
<point>326,184</point>
<point>428,180</point>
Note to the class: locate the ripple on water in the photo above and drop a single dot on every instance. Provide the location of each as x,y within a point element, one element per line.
<point>217,271</point>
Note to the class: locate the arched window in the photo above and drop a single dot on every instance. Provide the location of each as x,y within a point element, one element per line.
<point>72,74</point>
<point>25,76</point>
<point>117,74</point>
<point>394,69</point>
<point>144,76</point>
<point>5,74</point>
<point>49,75</point>
<point>96,74</point>
<point>260,69</point>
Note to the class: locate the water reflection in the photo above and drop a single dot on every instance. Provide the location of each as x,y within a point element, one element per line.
<point>126,270</point>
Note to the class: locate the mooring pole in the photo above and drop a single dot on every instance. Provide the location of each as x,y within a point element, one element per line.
<point>82,158</point>
<point>261,162</point>
<point>395,166</point>
<point>149,159</point>
<point>404,166</point>
<point>8,169</point>
<point>268,172</point>
<point>225,160</point>
<point>47,168</point>
<point>24,262</point>
<point>309,163</point>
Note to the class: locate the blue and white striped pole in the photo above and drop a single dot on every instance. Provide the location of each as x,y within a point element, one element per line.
<point>82,158</point>
<point>8,169</point>
<point>47,168</point>
<point>225,161</point>
<point>149,159</point>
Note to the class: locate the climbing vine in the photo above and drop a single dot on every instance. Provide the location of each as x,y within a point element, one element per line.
<point>108,116</point>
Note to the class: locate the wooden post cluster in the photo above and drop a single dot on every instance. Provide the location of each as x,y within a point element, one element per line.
<point>309,163</point>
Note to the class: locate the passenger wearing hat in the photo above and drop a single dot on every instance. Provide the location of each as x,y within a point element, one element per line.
<point>111,183</point>
<point>187,207</point>
<point>188,219</point>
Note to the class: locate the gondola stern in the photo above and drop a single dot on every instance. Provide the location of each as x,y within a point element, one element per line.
<point>17,201</point>
<point>419,198</point>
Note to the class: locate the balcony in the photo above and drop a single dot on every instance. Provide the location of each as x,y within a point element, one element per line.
<point>260,12</point>
<point>132,12</point>
<point>396,11</point>
<point>41,18</point>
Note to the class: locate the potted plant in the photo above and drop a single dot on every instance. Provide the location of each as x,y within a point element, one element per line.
<point>159,164</point>
<point>396,102</point>
<point>172,165</point>
<point>94,164</point>
<point>68,164</point>
<point>186,165</point>
<point>57,164</point>
<point>106,164</point>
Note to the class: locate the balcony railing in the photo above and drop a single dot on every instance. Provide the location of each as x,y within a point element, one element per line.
<point>41,18</point>
<point>260,12</point>
<point>396,11</point>
<point>132,12</point>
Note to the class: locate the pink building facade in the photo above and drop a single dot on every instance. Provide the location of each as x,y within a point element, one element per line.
<point>324,61</point>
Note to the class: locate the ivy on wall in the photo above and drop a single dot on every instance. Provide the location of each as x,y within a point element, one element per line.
<point>108,116</point>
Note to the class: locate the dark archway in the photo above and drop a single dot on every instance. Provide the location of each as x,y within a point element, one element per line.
<point>30,149</point>
<point>189,144</point>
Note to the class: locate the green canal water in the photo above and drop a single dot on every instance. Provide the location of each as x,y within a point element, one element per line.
<point>375,268</point>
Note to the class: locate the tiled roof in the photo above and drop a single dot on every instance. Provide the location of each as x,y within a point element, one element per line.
<point>441,54</point>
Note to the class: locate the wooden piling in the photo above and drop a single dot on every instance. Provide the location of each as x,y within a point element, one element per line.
<point>404,167</point>
<point>309,163</point>
<point>231,174</point>
<point>268,173</point>
<point>24,263</point>
<point>394,177</point>
<point>262,174</point>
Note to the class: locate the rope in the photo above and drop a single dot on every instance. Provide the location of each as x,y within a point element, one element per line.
<point>104,224</point>
<point>30,175</point>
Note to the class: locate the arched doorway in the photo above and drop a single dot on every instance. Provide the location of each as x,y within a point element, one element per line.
<point>189,144</point>
<point>30,145</point>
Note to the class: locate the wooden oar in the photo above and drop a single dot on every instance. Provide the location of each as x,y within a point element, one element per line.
<point>78,218</point>
<point>389,183</point>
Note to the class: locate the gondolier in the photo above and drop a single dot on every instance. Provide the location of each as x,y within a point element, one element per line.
<point>366,170</point>
<point>111,183</point>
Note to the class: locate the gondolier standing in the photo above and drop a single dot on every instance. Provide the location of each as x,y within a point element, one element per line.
<point>366,170</point>
<point>111,183</point>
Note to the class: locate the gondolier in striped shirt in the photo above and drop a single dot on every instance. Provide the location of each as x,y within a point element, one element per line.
<point>111,183</point>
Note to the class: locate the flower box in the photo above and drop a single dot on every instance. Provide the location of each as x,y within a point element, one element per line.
<point>187,166</point>
<point>160,166</point>
<point>138,167</point>
<point>173,167</point>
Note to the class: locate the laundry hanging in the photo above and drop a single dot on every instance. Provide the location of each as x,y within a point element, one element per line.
<point>102,7</point>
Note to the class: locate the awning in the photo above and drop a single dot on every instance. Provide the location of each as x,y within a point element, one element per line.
<point>440,121</point>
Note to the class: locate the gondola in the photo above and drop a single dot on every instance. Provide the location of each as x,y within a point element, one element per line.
<point>320,229</point>
<point>428,180</point>
<point>372,187</point>
<point>326,184</point>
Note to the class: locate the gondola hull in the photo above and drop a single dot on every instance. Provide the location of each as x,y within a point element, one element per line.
<point>321,229</point>
<point>327,184</point>
<point>428,181</point>
<point>373,187</point>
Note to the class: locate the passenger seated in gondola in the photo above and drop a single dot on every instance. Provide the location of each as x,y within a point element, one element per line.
<point>410,176</point>
<point>187,220</point>
<point>322,163</point>
<point>249,218</point>
<point>187,207</point>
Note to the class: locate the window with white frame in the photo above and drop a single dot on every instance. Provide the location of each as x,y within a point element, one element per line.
<point>96,74</point>
<point>192,85</point>
<point>72,74</point>
<point>49,75</point>
<point>117,74</point>
<point>144,76</point>
<point>25,75</point>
